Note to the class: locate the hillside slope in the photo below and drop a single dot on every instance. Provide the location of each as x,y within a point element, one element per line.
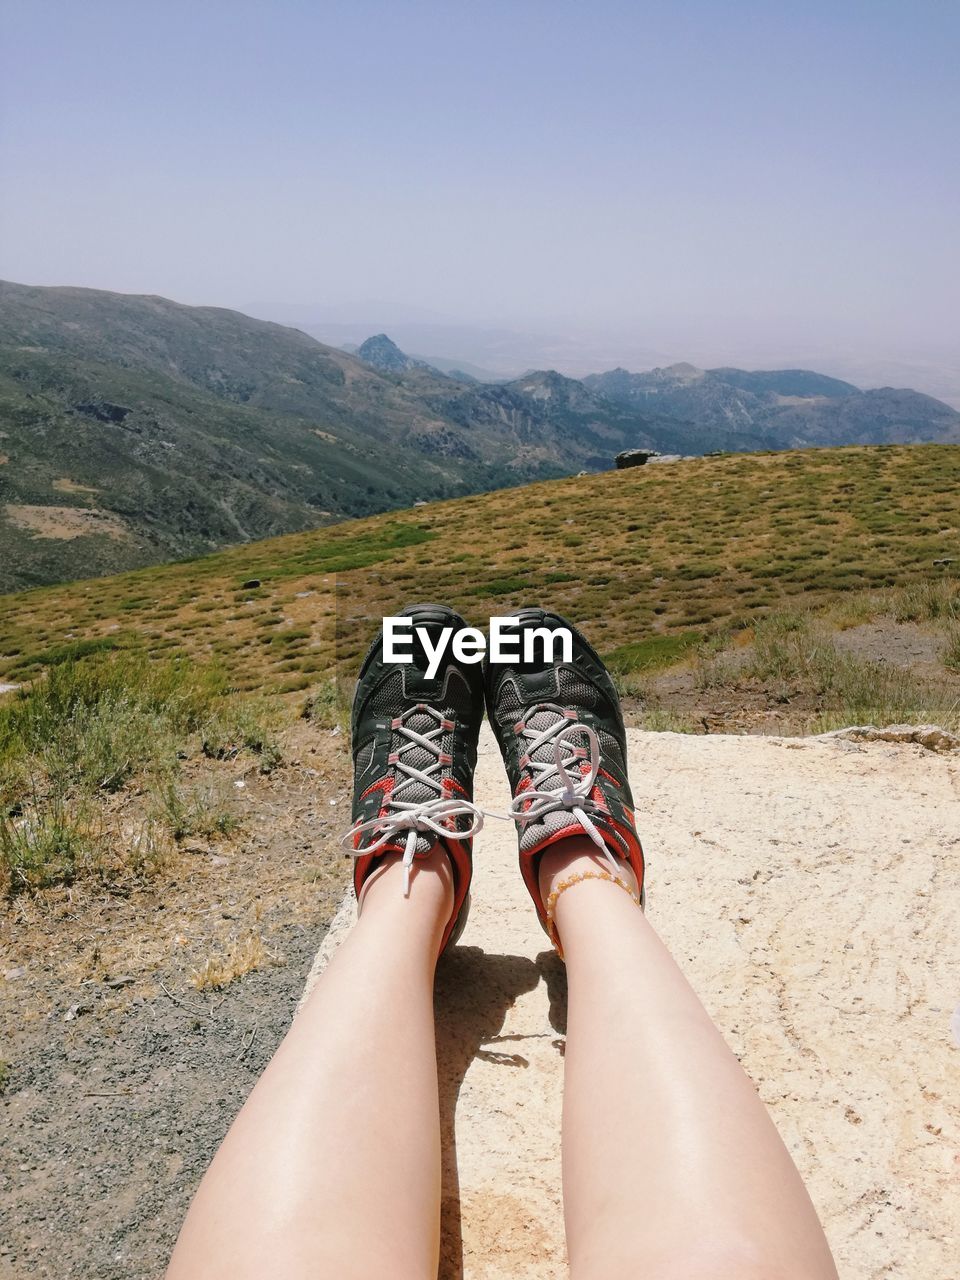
<point>135,429</point>
<point>645,560</point>
<point>786,408</point>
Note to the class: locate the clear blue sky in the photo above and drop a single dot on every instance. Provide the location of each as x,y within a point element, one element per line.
<point>760,167</point>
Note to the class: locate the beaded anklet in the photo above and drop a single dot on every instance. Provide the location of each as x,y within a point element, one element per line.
<point>568,883</point>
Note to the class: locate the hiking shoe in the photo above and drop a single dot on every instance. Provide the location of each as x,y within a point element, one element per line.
<point>561,734</point>
<point>414,751</point>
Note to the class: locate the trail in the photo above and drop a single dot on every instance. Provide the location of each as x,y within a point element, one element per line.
<point>809,888</point>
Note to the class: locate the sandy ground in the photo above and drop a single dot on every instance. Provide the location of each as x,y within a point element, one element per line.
<point>809,888</point>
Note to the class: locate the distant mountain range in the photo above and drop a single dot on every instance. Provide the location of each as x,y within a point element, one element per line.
<point>783,409</point>
<point>135,430</point>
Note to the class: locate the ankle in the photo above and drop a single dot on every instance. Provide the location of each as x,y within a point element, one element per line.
<point>576,856</point>
<point>431,888</point>
<point>580,892</point>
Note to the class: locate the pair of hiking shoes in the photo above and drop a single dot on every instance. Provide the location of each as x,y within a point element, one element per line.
<point>560,731</point>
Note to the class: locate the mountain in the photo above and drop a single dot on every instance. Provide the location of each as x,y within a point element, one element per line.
<point>134,429</point>
<point>785,408</point>
<point>383,354</point>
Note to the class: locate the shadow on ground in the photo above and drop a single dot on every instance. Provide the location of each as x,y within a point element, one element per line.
<point>474,991</point>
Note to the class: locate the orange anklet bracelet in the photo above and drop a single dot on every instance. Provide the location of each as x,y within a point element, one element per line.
<point>564,885</point>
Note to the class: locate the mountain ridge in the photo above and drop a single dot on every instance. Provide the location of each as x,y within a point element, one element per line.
<point>137,429</point>
<point>791,408</point>
<point>134,429</point>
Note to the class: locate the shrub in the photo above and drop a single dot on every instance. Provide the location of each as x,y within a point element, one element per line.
<point>240,724</point>
<point>926,601</point>
<point>46,844</point>
<point>328,706</point>
<point>652,653</point>
<point>193,810</point>
<point>794,649</point>
<point>86,729</point>
<point>91,724</point>
<point>72,652</point>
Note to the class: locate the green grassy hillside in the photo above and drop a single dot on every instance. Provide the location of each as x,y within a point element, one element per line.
<point>703,546</point>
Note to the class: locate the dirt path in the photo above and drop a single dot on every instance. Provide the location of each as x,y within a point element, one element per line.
<point>809,888</point>
<point>121,1077</point>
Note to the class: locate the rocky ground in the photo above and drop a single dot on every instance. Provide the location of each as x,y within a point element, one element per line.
<point>120,1077</point>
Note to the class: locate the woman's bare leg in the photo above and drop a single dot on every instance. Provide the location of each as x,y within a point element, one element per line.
<point>332,1168</point>
<point>672,1168</point>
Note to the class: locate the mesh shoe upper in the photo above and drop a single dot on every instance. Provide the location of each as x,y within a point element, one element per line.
<point>544,716</point>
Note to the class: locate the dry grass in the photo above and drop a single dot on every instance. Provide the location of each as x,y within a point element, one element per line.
<point>660,566</point>
<point>91,763</point>
<point>794,651</point>
<point>242,957</point>
<point>633,556</point>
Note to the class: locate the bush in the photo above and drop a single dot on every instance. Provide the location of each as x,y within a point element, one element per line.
<point>193,810</point>
<point>327,706</point>
<point>794,649</point>
<point>90,725</point>
<point>86,730</point>
<point>48,844</point>
<point>926,601</point>
<point>238,724</point>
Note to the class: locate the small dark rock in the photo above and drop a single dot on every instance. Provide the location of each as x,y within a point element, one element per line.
<point>634,458</point>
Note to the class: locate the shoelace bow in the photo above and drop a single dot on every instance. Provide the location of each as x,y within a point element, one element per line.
<point>574,791</point>
<point>416,816</point>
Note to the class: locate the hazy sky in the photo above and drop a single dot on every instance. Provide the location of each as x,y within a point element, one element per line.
<point>783,170</point>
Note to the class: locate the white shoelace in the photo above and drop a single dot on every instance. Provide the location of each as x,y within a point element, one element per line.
<point>416,816</point>
<point>573,793</point>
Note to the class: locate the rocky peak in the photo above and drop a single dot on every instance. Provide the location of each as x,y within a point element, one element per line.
<point>384,354</point>
<point>547,384</point>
